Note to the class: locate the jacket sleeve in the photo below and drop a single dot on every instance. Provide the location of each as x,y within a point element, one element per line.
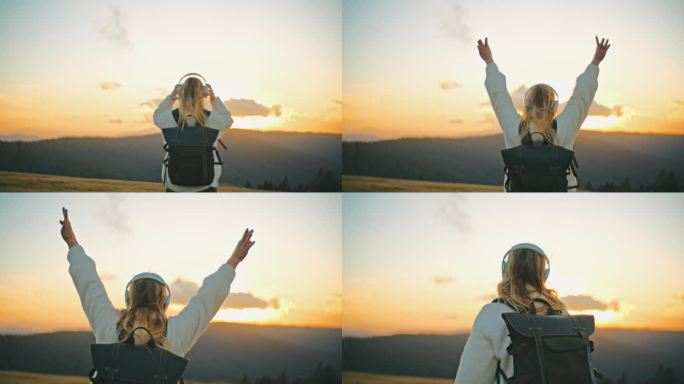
<point>505,111</point>
<point>220,117</point>
<point>478,360</point>
<point>577,107</point>
<point>101,314</point>
<point>190,323</point>
<point>163,115</point>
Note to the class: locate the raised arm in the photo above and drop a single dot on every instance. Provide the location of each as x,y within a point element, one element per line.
<point>163,116</point>
<point>577,107</point>
<point>99,310</point>
<point>495,82</point>
<point>186,327</point>
<point>220,117</point>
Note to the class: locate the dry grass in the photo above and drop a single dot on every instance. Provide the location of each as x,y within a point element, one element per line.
<point>34,182</point>
<point>15,377</point>
<point>371,378</point>
<point>377,184</point>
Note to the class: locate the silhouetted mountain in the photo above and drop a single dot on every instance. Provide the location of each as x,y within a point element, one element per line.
<point>603,158</point>
<point>252,156</point>
<point>224,351</point>
<point>636,354</point>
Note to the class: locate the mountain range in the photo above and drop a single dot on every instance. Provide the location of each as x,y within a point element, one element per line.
<point>224,352</point>
<point>634,353</point>
<point>603,158</point>
<point>253,156</point>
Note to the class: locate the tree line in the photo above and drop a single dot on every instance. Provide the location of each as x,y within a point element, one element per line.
<point>323,374</point>
<point>665,181</point>
<point>323,181</point>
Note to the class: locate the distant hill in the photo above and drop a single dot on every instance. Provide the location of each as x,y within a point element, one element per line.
<point>603,158</point>
<point>637,354</point>
<point>253,156</point>
<point>33,182</point>
<point>352,183</point>
<point>224,351</point>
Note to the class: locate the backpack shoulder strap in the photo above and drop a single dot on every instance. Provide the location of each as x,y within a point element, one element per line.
<point>554,125</point>
<point>175,114</point>
<point>499,300</point>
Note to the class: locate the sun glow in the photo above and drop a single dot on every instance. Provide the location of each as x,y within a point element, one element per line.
<point>248,315</point>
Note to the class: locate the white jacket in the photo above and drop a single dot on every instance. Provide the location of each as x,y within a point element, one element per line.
<point>219,119</point>
<point>183,329</point>
<point>568,122</point>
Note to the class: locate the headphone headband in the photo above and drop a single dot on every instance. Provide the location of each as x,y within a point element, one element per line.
<point>532,247</point>
<point>192,74</point>
<point>151,276</point>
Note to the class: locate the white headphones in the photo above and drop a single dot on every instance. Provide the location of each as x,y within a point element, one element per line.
<point>151,276</point>
<point>205,87</point>
<point>530,246</point>
<point>526,102</point>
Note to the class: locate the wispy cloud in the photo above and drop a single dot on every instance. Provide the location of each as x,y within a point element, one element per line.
<point>447,85</point>
<point>115,121</point>
<point>453,23</point>
<point>587,302</point>
<point>109,85</point>
<point>183,290</point>
<point>456,121</point>
<point>443,279</point>
<point>249,107</point>
<point>151,103</point>
<point>113,215</point>
<point>114,30</point>
<point>451,210</point>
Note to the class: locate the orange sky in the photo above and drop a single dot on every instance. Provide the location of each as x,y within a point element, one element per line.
<point>291,276</point>
<point>427,263</point>
<point>90,68</point>
<point>411,68</point>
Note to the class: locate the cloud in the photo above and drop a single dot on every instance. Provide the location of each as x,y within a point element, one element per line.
<point>249,107</point>
<point>109,85</point>
<point>451,211</point>
<point>443,279</point>
<point>446,85</point>
<point>453,23</point>
<point>678,101</point>
<point>456,121</point>
<point>183,290</point>
<point>151,103</point>
<point>114,216</point>
<point>114,30</point>
<point>115,121</point>
<point>336,101</point>
<point>242,300</point>
<point>107,276</point>
<point>586,302</point>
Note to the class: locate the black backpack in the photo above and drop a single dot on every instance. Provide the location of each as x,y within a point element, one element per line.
<point>124,362</point>
<point>548,349</point>
<point>538,168</point>
<point>190,161</point>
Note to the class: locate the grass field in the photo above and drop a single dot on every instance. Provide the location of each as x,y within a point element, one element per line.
<point>377,184</point>
<point>15,377</point>
<point>372,378</point>
<point>34,182</point>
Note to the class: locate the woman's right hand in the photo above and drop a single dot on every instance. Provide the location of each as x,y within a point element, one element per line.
<point>601,50</point>
<point>485,51</point>
<point>176,92</point>
<point>67,231</point>
<point>242,248</point>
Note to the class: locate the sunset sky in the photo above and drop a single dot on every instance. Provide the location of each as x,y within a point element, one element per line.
<point>427,263</point>
<point>411,68</point>
<point>292,275</point>
<point>99,68</point>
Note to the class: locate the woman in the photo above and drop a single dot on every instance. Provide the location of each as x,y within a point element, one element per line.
<point>147,299</point>
<point>540,105</point>
<point>190,96</point>
<point>524,271</point>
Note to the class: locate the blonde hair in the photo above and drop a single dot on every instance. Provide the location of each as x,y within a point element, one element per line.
<point>523,281</point>
<point>191,102</point>
<point>145,308</point>
<point>539,112</point>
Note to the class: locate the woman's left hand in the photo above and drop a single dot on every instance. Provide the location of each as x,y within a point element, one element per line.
<point>601,50</point>
<point>67,231</point>
<point>242,248</point>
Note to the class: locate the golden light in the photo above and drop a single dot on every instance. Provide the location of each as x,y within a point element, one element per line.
<point>255,122</point>
<point>247,315</point>
<point>601,122</point>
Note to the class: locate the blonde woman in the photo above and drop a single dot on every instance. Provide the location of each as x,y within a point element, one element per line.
<point>524,272</point>
<point>147,300</point>
<point>540,122</point>
<point>190,95</point>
